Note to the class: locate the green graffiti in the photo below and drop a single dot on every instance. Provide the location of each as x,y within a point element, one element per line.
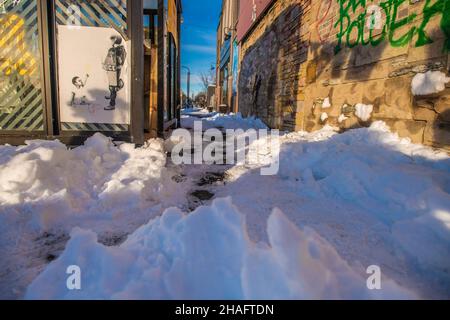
<point>439,7</point>
<point>395,24</point>
<point>349,24</point>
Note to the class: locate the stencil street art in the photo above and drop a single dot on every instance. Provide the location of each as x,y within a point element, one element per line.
<point>93,75</point>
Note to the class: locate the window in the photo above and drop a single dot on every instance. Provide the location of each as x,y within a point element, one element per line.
<point>224,77</point>
<point>151,26</point>
<point>171,78</point>
<point>21,98</point>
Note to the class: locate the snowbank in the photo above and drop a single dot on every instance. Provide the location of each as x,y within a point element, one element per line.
<point>376,198</point>
<point>371,198</point>
<point>197,112</point>
<point>46,190</point>
<point>429,83</point>
<point>207,255</point>
<point>230,121</point>
<point>57,184</point>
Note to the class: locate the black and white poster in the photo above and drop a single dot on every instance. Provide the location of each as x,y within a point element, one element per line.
<point>93,75</point>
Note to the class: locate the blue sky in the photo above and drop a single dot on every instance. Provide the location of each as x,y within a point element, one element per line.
<point>198,39</point>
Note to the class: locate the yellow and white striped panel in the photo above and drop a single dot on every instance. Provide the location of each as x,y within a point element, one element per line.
<point>21,105</point>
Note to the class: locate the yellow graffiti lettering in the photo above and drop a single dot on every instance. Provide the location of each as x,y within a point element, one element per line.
<point>14,54</point>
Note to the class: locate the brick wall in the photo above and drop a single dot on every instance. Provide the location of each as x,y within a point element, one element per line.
<point>304,51</point>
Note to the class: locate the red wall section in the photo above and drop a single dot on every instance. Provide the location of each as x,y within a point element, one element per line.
<point>246,12</point>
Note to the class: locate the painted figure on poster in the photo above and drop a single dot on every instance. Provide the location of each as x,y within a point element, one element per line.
<point>79,95</point>
<point>113,64</point>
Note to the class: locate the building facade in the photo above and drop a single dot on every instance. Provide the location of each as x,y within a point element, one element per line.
<point>69,69</point>
<point>227,57</point>
<point>211,97</point>
<point>307,63</point>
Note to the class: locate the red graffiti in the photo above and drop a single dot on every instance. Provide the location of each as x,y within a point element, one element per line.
<point>322,15</point>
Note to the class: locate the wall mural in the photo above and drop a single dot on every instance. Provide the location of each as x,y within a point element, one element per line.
<point>93,75</point>
<point>370,19</point>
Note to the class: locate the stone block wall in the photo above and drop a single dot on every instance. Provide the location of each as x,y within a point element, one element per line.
<point>303,53</point>
<point>271,59</point>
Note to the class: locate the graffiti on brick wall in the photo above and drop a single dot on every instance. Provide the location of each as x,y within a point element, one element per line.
<point>324,26</point>
<point>370,29</point>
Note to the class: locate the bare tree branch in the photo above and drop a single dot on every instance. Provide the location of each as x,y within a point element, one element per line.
<point>207,78</point>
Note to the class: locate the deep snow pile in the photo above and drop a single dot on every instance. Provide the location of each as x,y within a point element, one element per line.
<point>229,121</point>
<point>99,178</point>
<point>207,255</point>
<point>339,204</point>
<point>47,189</point>
<point>378,199</point>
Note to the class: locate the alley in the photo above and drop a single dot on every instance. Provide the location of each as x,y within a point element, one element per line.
<point>224,150</point>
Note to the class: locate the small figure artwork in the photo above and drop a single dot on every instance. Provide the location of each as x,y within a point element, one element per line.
<point>79,94</point>
<point>93,76</point>
<point>113,64</point>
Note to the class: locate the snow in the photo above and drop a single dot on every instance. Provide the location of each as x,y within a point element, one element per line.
<point>342,118</point>
<point>207,255</point>
<point>197,112</point>
<point>364,111</point>
<point>95,177</point>
<point>324,117</point>
<point>326,103</point>
<point>429,83</point>
<point>47,189</point>
<point>339,204</point>
<point>189,111</point>
<point>230,121</point>
<point>376,198</point>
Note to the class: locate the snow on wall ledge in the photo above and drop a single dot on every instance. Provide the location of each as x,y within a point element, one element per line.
<point>207,255</point>
<point>429,83</point>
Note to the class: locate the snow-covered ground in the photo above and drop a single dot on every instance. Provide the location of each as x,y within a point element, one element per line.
<point>46,190</point>
<point>208,255</point>
<point>221,121</point>
<point>377,199</point>
<point>196,112</point>
<point>339,204</point>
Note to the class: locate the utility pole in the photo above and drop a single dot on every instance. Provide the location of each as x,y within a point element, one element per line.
<point>188,82</point>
